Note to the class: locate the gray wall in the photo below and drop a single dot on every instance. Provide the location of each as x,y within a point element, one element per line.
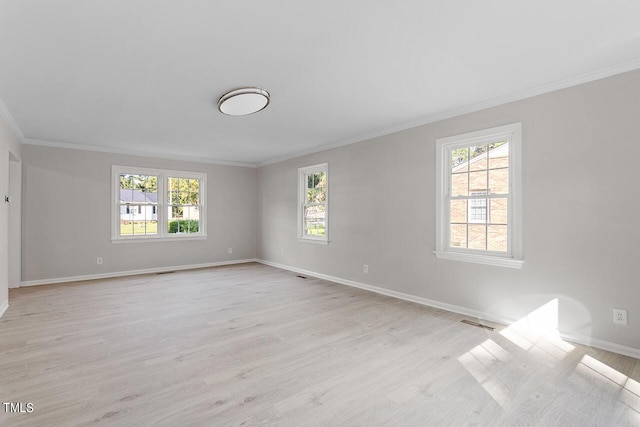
<point>8,144</point>
<point>581,147</point>
<point>67,216</point>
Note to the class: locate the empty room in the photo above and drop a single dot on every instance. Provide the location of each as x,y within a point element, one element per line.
<point>295,213</point>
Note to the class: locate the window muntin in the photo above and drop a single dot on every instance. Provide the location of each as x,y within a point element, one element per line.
<point>477,200</point>
<point>156,204</point>
<point>313,203</point>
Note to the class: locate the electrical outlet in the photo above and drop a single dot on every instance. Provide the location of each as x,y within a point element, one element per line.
<point>365,268</point>
<point>282,250</point>
<point>230,250</point>
<point>620,316</point>
<point>99,260</point>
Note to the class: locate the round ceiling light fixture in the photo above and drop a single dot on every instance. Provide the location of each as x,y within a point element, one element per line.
<point>243,101</point>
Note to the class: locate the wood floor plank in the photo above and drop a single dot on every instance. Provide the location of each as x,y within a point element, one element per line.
<point>254,345</point>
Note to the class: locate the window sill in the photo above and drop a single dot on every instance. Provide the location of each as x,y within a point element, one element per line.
<point>480,259</point>
<point>314,241</point>
<point>156,239</point>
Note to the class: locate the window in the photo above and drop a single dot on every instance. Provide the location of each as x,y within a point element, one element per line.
<point>313,209</point>
<point>478,207</point>
<point>151,204</point>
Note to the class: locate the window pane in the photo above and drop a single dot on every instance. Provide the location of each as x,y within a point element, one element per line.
<point>172,185</point>
<point>184,214</point>
<point>314,227</point>
<point>459,211</point>
<point>497,235</point>
<point>138,180</point>
<point>183,191</point>
<point>139,184</point>
<point>138,220</point>
<point>126,181</point>
<point>126,221</point>
<point>498,211</point>
<point>174,212</point>
<point>314,220</point>
<point>458,235</point>
<point>460,160</point>
<point>126,195</point>
<point>477,236</point>
<point>174,197</point>
<point>183,219</point>
<point>460,184</point>
<point>194,198</point>
<point>478,158</point>
<point>183,185</point>
<point>499,155</point>
<point>499,181</point>
<point>144,228</point>
<point>192,215</point>
<point>478,181</point>
<point>149,219</point>
<point>138,188</point>
<point>478,210</point>
<point>316,188</point>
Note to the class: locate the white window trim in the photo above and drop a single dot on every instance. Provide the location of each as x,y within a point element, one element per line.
<point>302,187</point>
<point>163,235</point>
<point>514,257</point>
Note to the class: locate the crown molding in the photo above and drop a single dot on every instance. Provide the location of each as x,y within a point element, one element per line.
<point>516,96</point>
<point>483,105</point>
<point>13,125</point>
<point>125,151</point>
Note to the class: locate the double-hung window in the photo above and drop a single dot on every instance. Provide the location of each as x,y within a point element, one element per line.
<point>313,208</point>
<point>153,204</point>
<point>478,201</point>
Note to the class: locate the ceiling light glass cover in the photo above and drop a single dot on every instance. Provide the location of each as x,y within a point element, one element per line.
<point>240,102</point>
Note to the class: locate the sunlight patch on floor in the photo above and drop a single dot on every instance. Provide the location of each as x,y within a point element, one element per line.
<point>538,331</point>
<point>629,388</point>
<point>604,370</point>
<point>480,361</point>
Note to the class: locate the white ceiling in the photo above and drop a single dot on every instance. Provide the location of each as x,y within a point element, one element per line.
<point>144,75</point>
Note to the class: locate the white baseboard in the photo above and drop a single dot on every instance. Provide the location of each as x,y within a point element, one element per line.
<point>131,272</point>
<point>576,338</point>
<point>601,344</point>
<point>4,307</point>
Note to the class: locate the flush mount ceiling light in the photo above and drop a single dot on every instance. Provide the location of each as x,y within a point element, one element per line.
<point>243,101</point>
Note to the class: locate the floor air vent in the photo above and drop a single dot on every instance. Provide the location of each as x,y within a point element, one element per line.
<point>476,324</point>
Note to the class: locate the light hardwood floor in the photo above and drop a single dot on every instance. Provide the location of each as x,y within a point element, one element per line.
<point>251,344</point>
